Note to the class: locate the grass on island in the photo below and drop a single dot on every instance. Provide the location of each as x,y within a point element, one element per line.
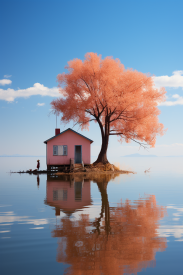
<point>97,168</point>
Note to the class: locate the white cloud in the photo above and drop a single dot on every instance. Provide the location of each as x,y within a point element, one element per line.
<point>37,89</point>
<point>174,81</point>
<point>178,101</point>
<point>171,230</point>
<point>7,75</point>
<point>175,96</point>
<point>5,82</point>
<point>40,104</point>
<point>93,211</point>
<point>37,228</point>
<point>24,219</point>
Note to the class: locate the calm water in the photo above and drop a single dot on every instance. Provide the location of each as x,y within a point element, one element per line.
<point>130,224</point>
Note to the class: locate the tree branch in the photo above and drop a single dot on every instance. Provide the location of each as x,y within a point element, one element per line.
<point>140,143</point>
<point>113,134</point>
<point>86,84</point>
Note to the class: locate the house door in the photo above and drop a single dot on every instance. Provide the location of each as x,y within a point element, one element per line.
<point>78,158</point>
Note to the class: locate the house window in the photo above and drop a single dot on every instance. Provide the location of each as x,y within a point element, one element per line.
<point>60,150</point>
<point>60,195</point>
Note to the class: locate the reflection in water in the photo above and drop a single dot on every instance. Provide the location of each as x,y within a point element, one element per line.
<point>67,194</point>
<point>78,191</point>
<point>123,239</point>
<point>38,181</point>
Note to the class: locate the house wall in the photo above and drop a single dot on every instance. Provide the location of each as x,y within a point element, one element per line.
<point>70,139</point>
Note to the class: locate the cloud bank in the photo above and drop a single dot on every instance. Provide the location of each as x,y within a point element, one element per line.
<point>178,101</point>
<point>5,82</point>
<point>174,81</point>
<point>37,89</point>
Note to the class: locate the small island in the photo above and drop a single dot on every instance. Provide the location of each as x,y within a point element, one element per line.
<point>78,169</point>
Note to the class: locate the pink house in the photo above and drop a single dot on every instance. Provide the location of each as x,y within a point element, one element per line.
<point>67,145</point>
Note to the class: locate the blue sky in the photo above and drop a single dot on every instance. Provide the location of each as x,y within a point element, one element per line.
<point>38,38</point>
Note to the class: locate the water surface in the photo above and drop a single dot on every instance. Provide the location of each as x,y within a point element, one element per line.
<point>127,224</point>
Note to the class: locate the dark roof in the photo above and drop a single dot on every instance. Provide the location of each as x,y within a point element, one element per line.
<point>66,131</point>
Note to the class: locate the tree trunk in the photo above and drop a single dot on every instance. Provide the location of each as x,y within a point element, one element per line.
<point>102,157</point>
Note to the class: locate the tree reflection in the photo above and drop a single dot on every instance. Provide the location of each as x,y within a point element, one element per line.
<point>123,239</point>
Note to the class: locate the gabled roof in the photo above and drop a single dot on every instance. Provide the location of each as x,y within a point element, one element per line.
<point>66,131</point>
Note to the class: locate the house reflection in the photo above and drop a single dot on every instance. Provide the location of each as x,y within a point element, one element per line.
<point>122,240</point>
<point>67,194</point>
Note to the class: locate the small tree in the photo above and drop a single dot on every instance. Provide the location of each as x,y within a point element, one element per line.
<point>122,101</point>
